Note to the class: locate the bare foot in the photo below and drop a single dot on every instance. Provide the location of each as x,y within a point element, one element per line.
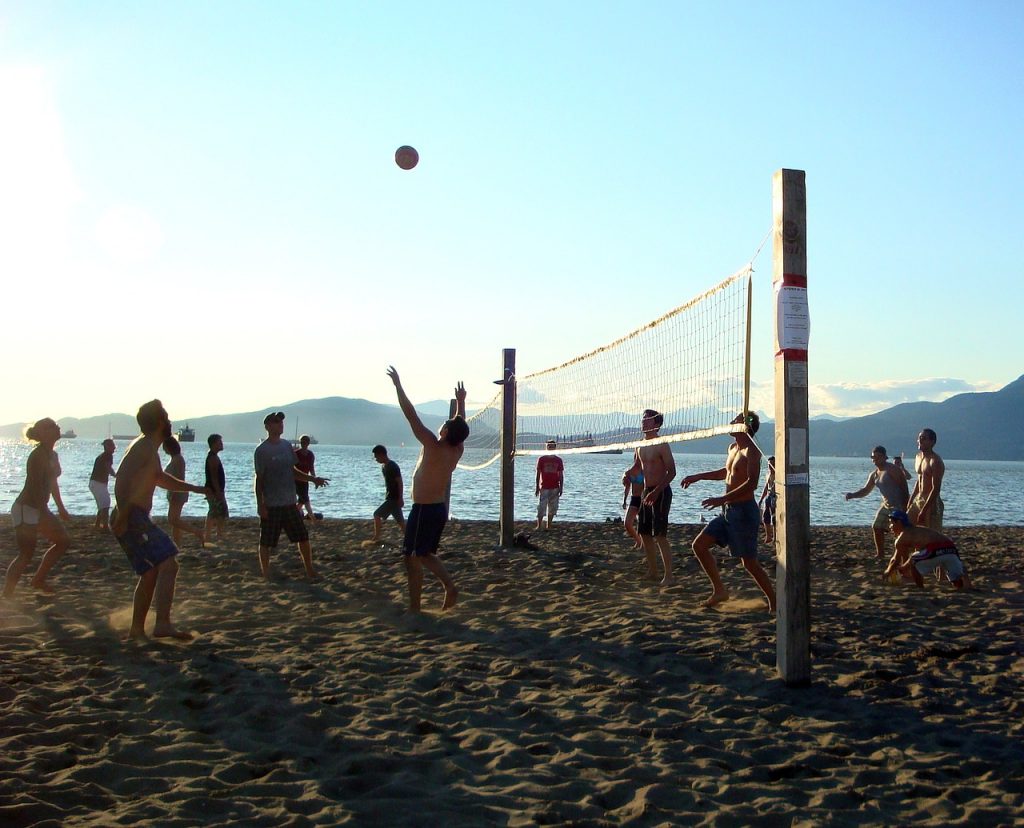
<point>667,582</point>
<point>136,635</point>
<point>717,598</point>
<point>171,632</point>
<point>43,587</point>
<point>450,597</point>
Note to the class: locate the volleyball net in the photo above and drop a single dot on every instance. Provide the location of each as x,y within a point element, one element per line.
<point>692,365</point>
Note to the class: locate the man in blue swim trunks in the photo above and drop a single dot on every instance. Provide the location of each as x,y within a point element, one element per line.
<point>150,551</point>
<point>737,526</point>
<point>430,482</point>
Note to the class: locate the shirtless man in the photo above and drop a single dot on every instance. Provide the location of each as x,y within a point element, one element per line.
<point>891,481</point>
<point>737,526</point>
<point>658,467</point>
<point>921,551</point>
<point>430,483</point>
<point>150,551</point>
<point>926,506</point>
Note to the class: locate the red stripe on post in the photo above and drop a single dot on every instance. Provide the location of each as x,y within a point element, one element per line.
<point>792,354</point>
<point>794,280</point>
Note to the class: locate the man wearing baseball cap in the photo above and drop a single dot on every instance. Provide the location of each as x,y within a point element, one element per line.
<point>920,551</point>
<point>276,474</point>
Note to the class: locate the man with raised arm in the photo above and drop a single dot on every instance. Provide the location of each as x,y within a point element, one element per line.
<point>926,506</point>
<point>657,466</point>
<point>150,551</point>
<point>430,482</point>
<point>891,481</point>
<point>737,526</point>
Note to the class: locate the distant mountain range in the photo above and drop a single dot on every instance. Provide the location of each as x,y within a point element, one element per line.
<point>980,426</point>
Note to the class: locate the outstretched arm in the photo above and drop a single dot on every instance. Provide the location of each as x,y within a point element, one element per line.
<point>865,489</point>
<point>460,399</point>
<point>420,431</point>
<point>690,479</point>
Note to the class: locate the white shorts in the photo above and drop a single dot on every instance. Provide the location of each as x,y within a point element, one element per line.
<point>950,562</point>
<point>547,503</point>
<point>101,492</point>
<point>28,515</point>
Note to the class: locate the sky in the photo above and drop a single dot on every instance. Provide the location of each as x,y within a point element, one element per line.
<point>199,201</point>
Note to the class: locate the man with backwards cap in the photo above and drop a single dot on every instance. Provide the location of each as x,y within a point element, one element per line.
<point>276,474</point>
<point>102,471</point>
<point>891,481</point>
<point>921,551</point>
<point>550,477</point>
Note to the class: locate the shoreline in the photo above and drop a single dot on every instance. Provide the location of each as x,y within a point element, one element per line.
<point>560,689</point>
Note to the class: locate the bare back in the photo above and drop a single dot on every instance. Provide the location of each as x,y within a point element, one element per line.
<point>434,468</point>
<point>137,475</point>
<point>38,478</point>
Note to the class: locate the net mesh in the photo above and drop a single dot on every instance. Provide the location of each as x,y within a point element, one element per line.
<point>690,365</point>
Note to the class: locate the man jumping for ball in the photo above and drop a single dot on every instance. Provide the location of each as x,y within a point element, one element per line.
<point>430,483</point>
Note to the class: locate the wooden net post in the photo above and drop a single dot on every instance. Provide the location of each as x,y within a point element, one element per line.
<point>506,527</point>
<point>792,460</point>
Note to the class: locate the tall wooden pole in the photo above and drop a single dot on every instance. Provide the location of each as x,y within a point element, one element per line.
<point>793,515</point>
<point>508,447</point>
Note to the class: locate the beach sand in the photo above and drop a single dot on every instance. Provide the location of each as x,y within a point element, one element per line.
<point>561,690</point>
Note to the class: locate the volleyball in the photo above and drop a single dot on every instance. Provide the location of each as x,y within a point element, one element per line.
<point>406,157</point>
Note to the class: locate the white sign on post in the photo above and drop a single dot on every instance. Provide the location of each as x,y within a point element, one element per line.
<point>793,327</point>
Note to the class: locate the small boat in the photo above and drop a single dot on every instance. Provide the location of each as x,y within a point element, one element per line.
<point>186,434</point>
<point>296,442</point>
<point>68,435</point>
<point>585,441</point>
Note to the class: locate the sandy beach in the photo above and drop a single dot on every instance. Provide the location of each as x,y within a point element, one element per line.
<point>561,690</point>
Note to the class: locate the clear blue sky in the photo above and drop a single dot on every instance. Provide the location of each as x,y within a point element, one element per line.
<point>198,201</point>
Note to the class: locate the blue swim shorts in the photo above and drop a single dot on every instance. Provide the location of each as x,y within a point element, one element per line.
<point>144,543</point>
<point>737,528</point>
<point>423,529</point>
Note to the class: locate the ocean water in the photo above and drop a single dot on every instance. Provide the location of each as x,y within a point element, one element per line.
<point>975,492</point>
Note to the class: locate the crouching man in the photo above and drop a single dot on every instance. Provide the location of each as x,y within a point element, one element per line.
<point>920,551</point>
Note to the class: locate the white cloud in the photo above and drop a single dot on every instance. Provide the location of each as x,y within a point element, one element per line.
<point>848,399</point>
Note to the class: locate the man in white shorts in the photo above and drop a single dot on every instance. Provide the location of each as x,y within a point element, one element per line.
<point>921,551</point>
<point>102,471</point>
<point>550,477</point>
